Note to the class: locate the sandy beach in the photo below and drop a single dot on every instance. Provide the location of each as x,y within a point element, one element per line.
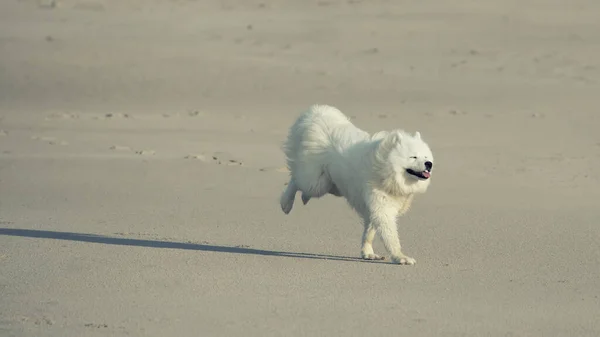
<point>141,167</point>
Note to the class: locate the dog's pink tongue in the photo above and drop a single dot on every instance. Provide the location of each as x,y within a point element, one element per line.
<point>426,174</point>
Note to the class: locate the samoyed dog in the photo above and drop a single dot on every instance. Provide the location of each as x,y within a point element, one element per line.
<point>377,174</point>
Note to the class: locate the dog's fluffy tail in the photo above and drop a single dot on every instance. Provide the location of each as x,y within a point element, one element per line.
<point>308,149</point>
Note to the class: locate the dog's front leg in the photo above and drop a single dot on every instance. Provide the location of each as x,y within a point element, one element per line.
<point>385,223</point>
<point>367,252</point>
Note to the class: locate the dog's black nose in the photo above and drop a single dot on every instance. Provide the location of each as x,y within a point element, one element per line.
<point>428,165</point>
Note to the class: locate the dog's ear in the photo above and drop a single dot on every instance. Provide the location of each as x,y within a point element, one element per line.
<point>417,135</point>
<point>400,136</point>
<point>387,144</point>
<point>390,140</point>
<point>395,137</point>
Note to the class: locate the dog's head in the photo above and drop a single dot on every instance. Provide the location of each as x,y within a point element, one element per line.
<point>408,159</point>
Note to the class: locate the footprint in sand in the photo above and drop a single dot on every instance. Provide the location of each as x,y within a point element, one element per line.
<point>199,157</point>
<point>50,140</point>
<point>458,64</point>
<point>281,169</point>
<point>111,116</point>
<point>219,158</point>
<point>222,158</point>
<point>44,321</point>
<point>188,113</point>
<point>35,320</point>
<point>145,152</point>
<point>121,148</point>
<point>74,115</point>
<point>116,115</point>
<point>62,115</point>
<point>456,112</point>
<point>195,113</point>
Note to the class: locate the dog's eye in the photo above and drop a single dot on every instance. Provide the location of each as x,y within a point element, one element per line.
<point>413,157</point>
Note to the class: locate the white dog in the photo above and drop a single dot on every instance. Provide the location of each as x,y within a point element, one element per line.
<point>378,175</point>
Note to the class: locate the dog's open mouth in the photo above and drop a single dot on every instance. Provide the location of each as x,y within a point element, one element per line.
<point>422,175</point>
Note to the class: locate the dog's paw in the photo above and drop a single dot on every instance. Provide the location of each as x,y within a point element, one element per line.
<point>372,257</point>
<point>404,260</point>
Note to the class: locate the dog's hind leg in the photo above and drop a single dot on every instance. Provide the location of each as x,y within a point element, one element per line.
<point>288,196</point>
<point>315,184</point>
<point>315,190</point>
<point>334,190</point>
<point>305,198</point>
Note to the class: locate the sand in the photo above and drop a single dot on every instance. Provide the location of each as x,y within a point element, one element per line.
<point>140,167</point>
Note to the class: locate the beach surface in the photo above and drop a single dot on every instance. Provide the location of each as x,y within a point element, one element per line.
<point>141,167</point>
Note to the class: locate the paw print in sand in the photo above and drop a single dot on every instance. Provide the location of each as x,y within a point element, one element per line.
<point>219,158</point>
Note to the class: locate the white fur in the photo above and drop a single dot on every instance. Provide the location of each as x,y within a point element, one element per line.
<point>327,154</point>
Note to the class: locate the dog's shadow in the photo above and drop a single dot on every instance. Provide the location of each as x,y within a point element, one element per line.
<point>119,241</point>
